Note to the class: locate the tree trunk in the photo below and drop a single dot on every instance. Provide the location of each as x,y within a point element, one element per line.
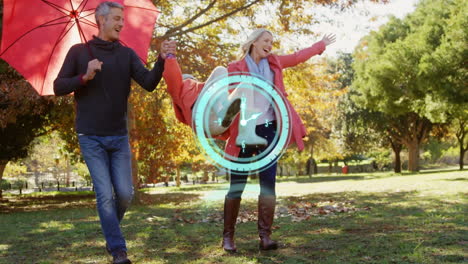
<point>313,168</point>
<point>205,176</point>
<point>413,156</point>
<point>166,180</point>
<point>137,199</point>
<point>3,164</point>
<point>36,177</point>
<point>178,176</point>
<point>396,147</point>
<point>410,130</point>
<point>461,134</point>
<point>397,168</point>
<point>68,170</point>
<point>462,155</point>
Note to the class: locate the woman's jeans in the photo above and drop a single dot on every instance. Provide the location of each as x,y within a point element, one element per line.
<point>109,162</point>
<point>267,176</point>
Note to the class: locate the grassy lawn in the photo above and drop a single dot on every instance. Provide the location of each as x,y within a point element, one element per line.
<point>354,218</point>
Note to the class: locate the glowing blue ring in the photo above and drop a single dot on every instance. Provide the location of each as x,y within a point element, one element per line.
<point>198,120</point>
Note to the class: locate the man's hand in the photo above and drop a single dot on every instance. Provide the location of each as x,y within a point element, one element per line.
<point>93,67</point>
<point>168,47</point>
<point>329,39</point>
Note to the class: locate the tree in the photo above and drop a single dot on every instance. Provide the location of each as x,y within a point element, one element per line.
<point>23,114</point>
<point>362,131</point>
<point>63,122</point>
<point>313,93</point>
<point>160,143</point>
<point>23,117</point>
<point>208,30</point>
<point>351,121</point>
<point>204,31</point>
<point>445,72</point>
<point>204,35</point>
<point>390,73</point>
<point>460,128</point>
<point>365,131</point>
<point>48,155</point>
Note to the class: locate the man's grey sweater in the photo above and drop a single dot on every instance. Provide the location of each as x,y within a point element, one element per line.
<point>101,103</point>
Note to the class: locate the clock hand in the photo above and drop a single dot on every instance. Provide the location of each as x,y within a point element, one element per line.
<point>254,116</point>
<point>243,121</point>
<point>243,105</point>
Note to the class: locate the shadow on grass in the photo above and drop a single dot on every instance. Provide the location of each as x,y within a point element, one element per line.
<point>457,179</point>
<point>20,203</point>
<point>360,176</point>
<point>432,171</point>
<point>306,179</point>
<point>400,227</point>
<point>392,230</point>
<point>168,198</point>
<point>201,187</point>
<point>63,201</point>
<point>194,188</point>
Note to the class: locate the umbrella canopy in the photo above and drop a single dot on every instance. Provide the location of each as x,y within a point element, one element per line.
<point>37,34</point>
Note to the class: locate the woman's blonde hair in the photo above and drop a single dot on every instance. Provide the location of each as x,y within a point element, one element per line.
<point>254,36</point>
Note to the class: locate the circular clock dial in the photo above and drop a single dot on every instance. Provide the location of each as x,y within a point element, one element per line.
<point>210,146</point>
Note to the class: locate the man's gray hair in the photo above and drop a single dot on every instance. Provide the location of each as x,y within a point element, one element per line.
<point>103,9</point>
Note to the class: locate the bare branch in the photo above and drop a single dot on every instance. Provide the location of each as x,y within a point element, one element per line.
<point>181,32</point>
<point>190,20</point>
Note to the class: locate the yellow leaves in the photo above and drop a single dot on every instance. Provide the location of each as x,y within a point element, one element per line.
<point>373,18</point>
<point>209,34</point>
<point>159,141</point>
<point>14,169</point>
<point>312,90</point>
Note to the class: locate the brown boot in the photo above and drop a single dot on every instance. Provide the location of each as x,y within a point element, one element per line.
<point>231,210</point>
<point>266,213</point>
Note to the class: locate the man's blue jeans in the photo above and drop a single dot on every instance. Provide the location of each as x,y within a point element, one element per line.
<point>109,162</point>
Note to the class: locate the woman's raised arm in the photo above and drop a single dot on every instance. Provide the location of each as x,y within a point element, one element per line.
<point>303,55</point>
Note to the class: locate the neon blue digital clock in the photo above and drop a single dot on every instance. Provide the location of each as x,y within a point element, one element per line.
<point>211,147</point>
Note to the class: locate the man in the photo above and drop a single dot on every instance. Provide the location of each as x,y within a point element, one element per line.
<point>99,74</point>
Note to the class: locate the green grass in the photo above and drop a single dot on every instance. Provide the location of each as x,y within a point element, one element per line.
<point>410,218</point>
<point>350,163</point>
<point>56,194</point>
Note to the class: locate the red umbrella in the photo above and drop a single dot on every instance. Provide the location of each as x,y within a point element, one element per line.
<point>37,34</point>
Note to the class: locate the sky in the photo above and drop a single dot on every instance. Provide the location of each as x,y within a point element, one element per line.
<point>350,26</point>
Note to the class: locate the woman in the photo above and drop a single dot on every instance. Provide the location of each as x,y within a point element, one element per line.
<point>257,58</point>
